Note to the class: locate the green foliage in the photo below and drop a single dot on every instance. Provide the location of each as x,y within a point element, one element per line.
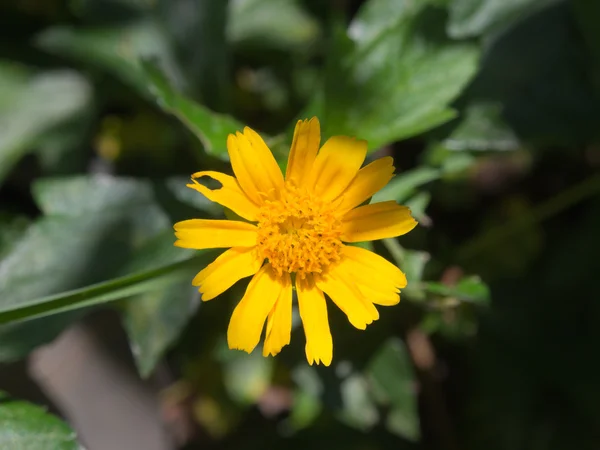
<point>394,56</point>
<point>32,104</point>
<point>476,17</point>
<point>490,109</point>
<point>260,24</point>
<point>483,129</point>
<point>29,427</point>
<point>392,377</point>
<point>211,128</point>
<point>116,49</point>
<point>102,239</point>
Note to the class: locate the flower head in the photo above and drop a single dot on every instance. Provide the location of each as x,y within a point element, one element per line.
<point>295,234</point>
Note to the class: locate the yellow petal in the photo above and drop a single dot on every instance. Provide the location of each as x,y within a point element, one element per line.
<point>376,278</point>
<point>374,266</point>
<point>230,194</point>
<point>268,173</point>
<point>201,233</point>
<point>279,322</point>
<point>254,166</point>
<point>378,296</point>
<point>338,285</point>
<point>313,312</point>
<point>305,145</point>
<point>233,265</point>
<point>377,221</point>
<point>336,166</point>
<point>367,182</point>
<point>248,318</point>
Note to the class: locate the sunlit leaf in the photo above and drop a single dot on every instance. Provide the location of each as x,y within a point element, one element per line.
<point>211,128</point>
<point>358,408</point>
<point>91,228</point>
<point>394,385</point>
<point>28,427</point>
<point>305,410</point>
<point>483,128</point>
<point>197,34</point>
<point>281,25</point>
<point>404,184</point>
<point>154,319</point>
<point>117,50</point>
<point>31,105</point>
<point>246,376</point>
<point>400,60</point>
<point>418,204</point>
<point>473,17</point>
<point>412,263</point>
<point>100,293</point>
<point>468,289</point>
<point>83,196</point>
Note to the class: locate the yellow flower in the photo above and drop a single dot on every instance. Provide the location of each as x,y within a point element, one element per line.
<point>295,235</point>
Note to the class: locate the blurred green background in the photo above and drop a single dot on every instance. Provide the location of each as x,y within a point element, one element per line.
<point>491,110</point>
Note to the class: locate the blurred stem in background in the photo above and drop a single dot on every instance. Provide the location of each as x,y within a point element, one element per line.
<point>545,210</point>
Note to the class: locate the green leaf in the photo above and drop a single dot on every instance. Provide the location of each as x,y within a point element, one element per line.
<point>18,339</point>
<point>59,253</point>
<point>246,376</point>
<point>155,319</point>
<point>98,228</point>
<point>211,128</point>
<point>197,30</point>
<point>358,408</point>
<point>32,105</point>
<point>92,227</point>
<point>457,163</point>
<point>307,398</point>
<point>400,61</point>
<point>117,50</point>
<point>412,263</point>
<point>405,184</point>
<point>96,294</point>
<point>451,163</point>
<point>125,51</point>
<point>393,382</point>
<point>469,289</point>
<point>29,427</point>
<point>282,25</point>
<point>418,204</point>
<point>59,150</point>
<point>474,17</point>
<point>81,196</point>
<point>12,228</point>
<point>483,128</point>
<point>377,17</point>
<point>414,266</point>
<point>304,411</point>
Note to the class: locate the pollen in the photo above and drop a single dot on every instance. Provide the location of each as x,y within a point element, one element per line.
<point>299,233</point>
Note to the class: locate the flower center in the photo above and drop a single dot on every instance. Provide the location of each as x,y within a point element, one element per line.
<point>299,233</point>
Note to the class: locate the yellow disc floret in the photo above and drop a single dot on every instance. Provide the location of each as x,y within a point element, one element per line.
<point>299,233</point>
